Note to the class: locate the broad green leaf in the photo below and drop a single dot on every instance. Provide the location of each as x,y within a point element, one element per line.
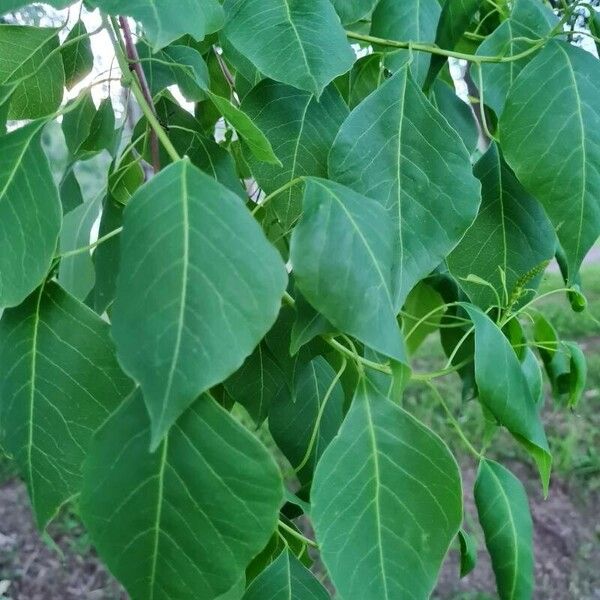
<point>77,55</point>
<point>351,11</point>
<point>468,552</point>
<point>70,191</point>
<point>286,579</point>
<point>60,381</point>
<point>76,273</point>
<point>257,383</point>
<point>419,305</point>
<point>301,131</point>
<point>205,305</point>
<point>342,253</point>
<point>31,71</point>
<point>529,19</point>
<point>184,521</point>
<point>386,502</point>
<point>252,135</point>
<point>550,139</point>
<point>307,46</point>
<point>293,416</point>
<point>424,180</point>
<point>163,23</point>
<point>504,516</point>
<point>175,64</point>
<point>504,391</point>
<point>454,21</point>
<point>510,242</point>
<point>30,214</point>
<point>410,20</point>
<point>533,374</point>
<point>457,112</point>
<point>77,121</point>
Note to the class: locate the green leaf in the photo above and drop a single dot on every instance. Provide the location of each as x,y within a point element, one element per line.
<point>577,374</point>
<point>510,242</point>
<point>162,24</point>
<point>184,521</point>
<point>454,21</point>
<point>307,45</point>
<point>468,552</point>
<point>365,77</point>
<point>410,20</point>
<point>504,516</point>
<point>342,256</point>
<point>351,11</point>
<point>293,416</point>
<point>529,19</point>
<point>257,383</point>
<point>420,303</point>
<point>533,375</point>
<point>425,181</point>
<point>206,305</point>
<point>457,112</point>
<point>77,55</point>
<point>252,135</point>
<point>70,191</point>
<point>31,71</point>
<point>301,131</point>
<point>28,199</point>
<point>308,324</point>
<point>286,579</point>
<point>504,391</point>
<point>60,381</point>
<point>386,502</point>
<point>549,136</point>
<point>76,273</point>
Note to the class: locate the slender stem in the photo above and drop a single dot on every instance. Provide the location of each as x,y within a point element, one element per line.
<point>356,357</point>
<point>99,241</point>
<point>135,65</point>
<point>441,372</point>
<point>137,92</point>
<point>270,197</point>
<point>297,535</point>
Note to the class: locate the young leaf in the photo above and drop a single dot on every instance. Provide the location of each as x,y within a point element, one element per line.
<point>206,305</point>
<point>549,136</point>
<point>60,381</point>
<point>293,416</point>
<point>30,214</point>
<point>504,516</point>
<point>510,242</point>
<point>184,521</point>
<point>286,579</point>
<point>425,182</point>
<point>386,502</point>
<point>315,48</point>
<point>163,23</point>
<point>410,20</point>
<point>77,55</point>
<point>31,71</point>
<point>468,552</point>
<point>504,391</point>
<point>342,256</point>
<point>301,131</point>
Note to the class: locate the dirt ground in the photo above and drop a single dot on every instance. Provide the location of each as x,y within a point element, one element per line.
<point>567,543</point>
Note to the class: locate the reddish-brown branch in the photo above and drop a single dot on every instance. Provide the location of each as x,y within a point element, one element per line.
<point>135,65</point>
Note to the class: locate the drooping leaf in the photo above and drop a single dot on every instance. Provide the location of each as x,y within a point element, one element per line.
<point>424,181</point>
<point>293,416</point>
<point>257,383</point>
<point>510,242</point>
<point>286,579</point>
<point>342,256</point>
<point>410,20</point>
<point>316,48</point>
<point>60,381</point>
<point>184,521</point>
<point>549,136</point>
<point>533,375</point>
<point>163,23</point>
<point>468,552</point>
<point>31,71</point>
<point>30,214</point>
<point>70,192</point>
<point>301,131</point>
<point>419,305</point>
<point>504,516</point>
<point>504,391</point>
<point>397,485</point>
<point>77,55</point>
<point>206,305</point>
<point>351,11</point>
<point>308,324</point>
